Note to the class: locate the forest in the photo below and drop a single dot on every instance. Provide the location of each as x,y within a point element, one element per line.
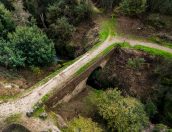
<point>131,93</point>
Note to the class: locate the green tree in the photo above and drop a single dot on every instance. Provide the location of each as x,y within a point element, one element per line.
<point>82,124</point>
<point>6,22</point>
<point>34,45</point>
<point>133,7</point>
<point>9,56</point>
<point>161,6</point>
<point>121,113</point>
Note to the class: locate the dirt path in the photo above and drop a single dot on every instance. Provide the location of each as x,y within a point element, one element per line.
<point>22,105</point>
<point>137,42</point>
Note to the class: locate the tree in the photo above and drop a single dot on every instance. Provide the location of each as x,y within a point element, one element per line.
<point>9,56</point>
<point>33,44</point>
<point>133,7</point>
<point>121,113</point>
<point>27,46</point>
<point>161,6</point>
<point>83,125</point>
<point>6,22</point>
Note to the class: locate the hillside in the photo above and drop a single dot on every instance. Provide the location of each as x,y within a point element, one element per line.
<point>85,65</point>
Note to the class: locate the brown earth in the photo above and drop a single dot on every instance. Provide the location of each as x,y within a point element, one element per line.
<point>19,80</point>
<point>85,37</point>
<point>135,27</point>
<point>77,106</point>
<point>137,82</point>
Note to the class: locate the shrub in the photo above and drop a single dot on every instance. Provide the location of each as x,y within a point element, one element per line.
<point>61,29</point>
<point>82,11</point>
<point>82,125</point>
<point>108,4</point>
<point>133,7</point>
<point>34,45</point>
<point>121,113</point>
<point>73,11</point>
<point>27,46</point>
<point>8,4</point>
<point>6,22</point>
<point>61,8</point>
<point>135,63</point>
<point>36,70</point>
<point>160,6</point>
<point>163,91</point>
<point>161,128</point>
<point>9,56</point>
<point>150,109</point>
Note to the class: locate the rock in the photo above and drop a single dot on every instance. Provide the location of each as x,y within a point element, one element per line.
<point>43,115</point>
<point>10,86</point>
<point>29,113</point>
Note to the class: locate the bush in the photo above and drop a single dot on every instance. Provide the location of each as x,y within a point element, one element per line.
<point>82,11</point>
<point>9,56</point>
<point>27,46</point>
<point>122,114</point>
<point>160,6</point>
<point>150,108</point>
<point>73,11</point>
<point>82,125</point>
<point>61,29</point>
<point>163,91</point>
<point>6,22</point>
<point>133,7</point>
<point>34,45</point>
<point>135,63</point>
<point>8,4</point>
<point>61,8</point>
<point>161,128</point>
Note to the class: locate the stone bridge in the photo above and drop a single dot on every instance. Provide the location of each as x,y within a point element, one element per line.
<point>78,82</point>
<point>62,87</point>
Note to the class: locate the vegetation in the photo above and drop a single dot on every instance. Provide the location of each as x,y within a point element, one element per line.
<point>161,127</point>
<point>121,113</point>
<point>82,124</point>
<point>161,6</point>
<point>133,7</point>
<point>153,51</point>
<point>107,29</point>
<point>13,119</point>
<point>135,63</point>
<point>6,22</point>
<point>23,48</point>
<point>51,24</point>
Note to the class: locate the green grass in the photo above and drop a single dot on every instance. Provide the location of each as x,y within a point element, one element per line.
<point>154,52</point>
<point>86,66</point>
<point>108,28</point>
<point>38,111</point>
<point>160,41</point>
<point>13,119</point>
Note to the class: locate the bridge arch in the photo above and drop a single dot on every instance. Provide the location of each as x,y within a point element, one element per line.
<point>91,80</point>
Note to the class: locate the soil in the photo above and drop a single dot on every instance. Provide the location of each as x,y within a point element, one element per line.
<point>135,27</point>
<point>77,106</point>
<point>14,82</point>
<point>137,82</point>
<point>85,37</point>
